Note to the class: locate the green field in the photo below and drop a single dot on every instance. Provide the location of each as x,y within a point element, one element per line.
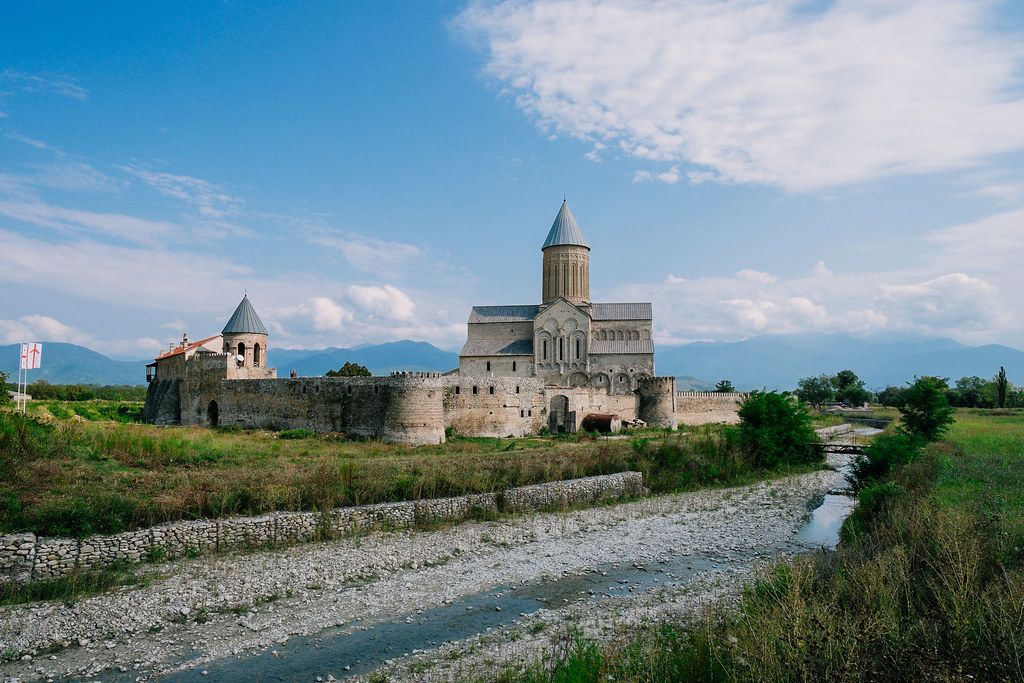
<point>928,584</point>
<point>67,475</point>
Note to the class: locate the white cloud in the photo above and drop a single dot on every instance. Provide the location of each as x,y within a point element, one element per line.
<point>756,276</point>
<point>43,328</point>
<point>385,301</point>
<point>821,270</point>
<point>669,177</point>
<point>327,315</point>
<point>369,254</point>
<point>31,142</point>
<point>135,229</point>
<point>208,199</point>
<point>58,84</point>
<point>764,92</point>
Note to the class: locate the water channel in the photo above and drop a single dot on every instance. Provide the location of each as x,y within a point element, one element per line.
<point>344,652</point>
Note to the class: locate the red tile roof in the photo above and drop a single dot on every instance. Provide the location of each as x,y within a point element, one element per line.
<point>183,349</point>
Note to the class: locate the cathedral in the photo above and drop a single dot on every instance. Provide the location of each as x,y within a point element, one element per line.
<point>567,340</point>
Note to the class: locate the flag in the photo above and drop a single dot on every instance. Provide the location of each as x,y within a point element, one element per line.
<point>31,355</point>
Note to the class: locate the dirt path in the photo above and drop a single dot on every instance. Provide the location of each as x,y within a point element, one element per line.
<point>233,614</point>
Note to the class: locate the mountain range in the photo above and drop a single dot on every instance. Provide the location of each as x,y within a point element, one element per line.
<point>773,362</point>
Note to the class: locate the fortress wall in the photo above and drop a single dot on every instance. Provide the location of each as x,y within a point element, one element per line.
<point>705,407</point>
<point>203,375</point>
<point>586,400</point>
<point>499,414</point>
<point>163,402</point>
<point>24,557</point>
<point>399,409</point>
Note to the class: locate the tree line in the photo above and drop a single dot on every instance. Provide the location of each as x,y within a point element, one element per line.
<point>967,392</point>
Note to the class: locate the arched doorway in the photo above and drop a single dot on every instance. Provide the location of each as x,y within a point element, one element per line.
<point>213,413</point>
<point>560,419</point>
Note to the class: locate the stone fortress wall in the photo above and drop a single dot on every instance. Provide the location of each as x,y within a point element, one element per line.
<point>704,407</point>
<point>25,557</point>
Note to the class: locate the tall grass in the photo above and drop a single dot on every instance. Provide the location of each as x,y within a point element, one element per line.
<point>928,584</point>
<point>73,478</point>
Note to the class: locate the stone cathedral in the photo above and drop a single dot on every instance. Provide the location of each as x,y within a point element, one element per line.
<point>566,340</point>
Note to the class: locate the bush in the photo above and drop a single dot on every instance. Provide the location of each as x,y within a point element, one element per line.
<point>886,453</point>
<point>775,429</point>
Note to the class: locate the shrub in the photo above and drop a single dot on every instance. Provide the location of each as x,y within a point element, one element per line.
<point>886,453</point>
<point>775,429</point>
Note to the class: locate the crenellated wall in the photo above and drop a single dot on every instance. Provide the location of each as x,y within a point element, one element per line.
<point>705,407</point>
<point>24,557</point>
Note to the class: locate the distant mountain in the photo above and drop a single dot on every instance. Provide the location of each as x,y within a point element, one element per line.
<point>381,359</point>
<point>778,361</point>
<point>73,364</point>
<point>775,362</point>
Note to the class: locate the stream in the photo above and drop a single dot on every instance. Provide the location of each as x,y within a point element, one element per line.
<point>344,652</point>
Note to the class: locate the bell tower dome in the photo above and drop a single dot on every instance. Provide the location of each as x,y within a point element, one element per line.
<point>245,336</point>
<point>566,266</point>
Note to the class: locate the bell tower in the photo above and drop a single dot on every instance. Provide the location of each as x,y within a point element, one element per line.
<point>245,336</point>
<point>566,265</point>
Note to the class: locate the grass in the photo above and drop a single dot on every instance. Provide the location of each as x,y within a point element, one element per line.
<point>67,477</point>
<point>928,584</point>
<point>68,588</point>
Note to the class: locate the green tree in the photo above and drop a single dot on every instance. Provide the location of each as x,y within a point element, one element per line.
<point>850,388</point>
<point>775,429</point>
<point>1002,384</point>
<point>4,398</point>
<point>891,396</point>
<point>926,412</point>
<point>725,387</point>
<point>969,392</point>
<point>350,370</point>
<point>816,390</point>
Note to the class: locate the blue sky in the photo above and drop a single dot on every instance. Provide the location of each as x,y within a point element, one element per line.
<point>367,171</point>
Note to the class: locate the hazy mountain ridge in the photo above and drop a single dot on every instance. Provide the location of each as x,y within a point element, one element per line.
<point>775,362</point>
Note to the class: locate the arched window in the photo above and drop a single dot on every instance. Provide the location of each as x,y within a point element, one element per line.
<point>561,348</point>
<point>544,353</point>
<point>517,388</point>
<point>513,366</point>
<point>490,390</point>
<point>241,348</point>
<point>256,355</point>
<point>458,389</point>
<point>474,391</point>
<point>577,348</point>
<point>488,366</point>
<point>522,413</point>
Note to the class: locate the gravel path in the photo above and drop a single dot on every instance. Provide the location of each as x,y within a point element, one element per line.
<point>199,611</point>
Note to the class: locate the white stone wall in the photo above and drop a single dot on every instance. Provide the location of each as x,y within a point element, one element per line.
<point>24,557</point>
<point>707,407</point>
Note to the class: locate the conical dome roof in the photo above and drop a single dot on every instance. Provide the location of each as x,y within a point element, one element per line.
<point>244,320</point>
<point>565,230</point>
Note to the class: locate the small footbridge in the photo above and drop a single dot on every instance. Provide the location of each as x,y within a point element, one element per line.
<point>848,448</point>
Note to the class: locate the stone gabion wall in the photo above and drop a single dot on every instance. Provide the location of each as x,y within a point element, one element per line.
<point>24,557</point>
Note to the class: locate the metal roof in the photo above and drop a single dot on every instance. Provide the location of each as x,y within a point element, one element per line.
<point>503,314</point>
<point>622,346</point>
<point>244,320</point>
<point>497,347</point>
<point>565,230</point>
<point>621,312</point>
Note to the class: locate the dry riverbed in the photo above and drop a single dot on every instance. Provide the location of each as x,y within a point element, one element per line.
<point>288,614</point>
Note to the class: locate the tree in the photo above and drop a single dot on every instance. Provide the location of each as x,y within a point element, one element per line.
<point>850,388</point>
<point>1001,386</point>
<point>926,412</point>
<point>725,387</point>
<point>891,396</point>
<point>775,429</point>
<point>4,398</point>
<point>816,390</point>
<point>969,392</point>
<point>350,370</point>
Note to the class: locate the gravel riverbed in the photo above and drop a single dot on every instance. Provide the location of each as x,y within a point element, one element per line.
<point>209,611</point>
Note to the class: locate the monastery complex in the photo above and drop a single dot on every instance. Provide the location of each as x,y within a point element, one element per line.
<point>523,368</point>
